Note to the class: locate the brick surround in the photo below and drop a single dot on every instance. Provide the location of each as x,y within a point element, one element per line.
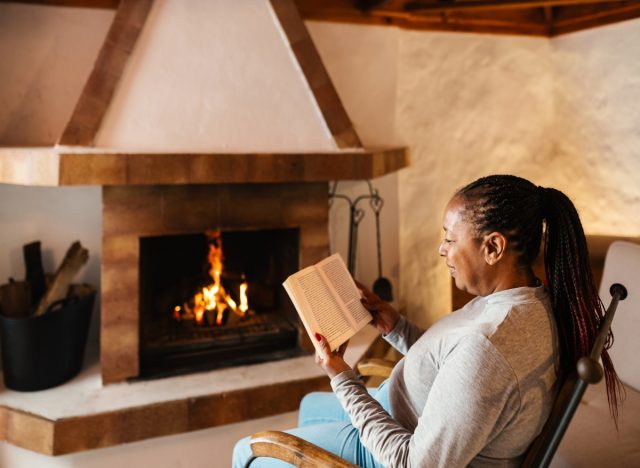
<point>131,212</point>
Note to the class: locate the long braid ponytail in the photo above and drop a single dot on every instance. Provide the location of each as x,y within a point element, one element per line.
<point>574,297</point>
<point>519,210</point>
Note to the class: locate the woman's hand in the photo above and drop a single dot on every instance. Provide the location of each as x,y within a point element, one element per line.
<point>331,362</point>
<point>384,315</point>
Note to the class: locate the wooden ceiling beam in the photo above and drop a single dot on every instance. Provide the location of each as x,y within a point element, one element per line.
<point>579,22</point>
<point>548,19</point>
<point>494,5</point>
<point>527,17</point>
<point>428,22</point>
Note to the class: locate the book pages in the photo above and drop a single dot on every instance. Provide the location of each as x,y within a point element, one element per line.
<point>327,301</point>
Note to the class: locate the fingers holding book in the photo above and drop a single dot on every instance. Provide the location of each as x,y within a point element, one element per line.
<point>331,362</point>
<point>384,315</point>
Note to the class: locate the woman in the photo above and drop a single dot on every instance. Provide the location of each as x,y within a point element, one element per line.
<point>476,387</point>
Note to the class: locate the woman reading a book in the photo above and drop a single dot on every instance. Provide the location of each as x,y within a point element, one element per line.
<point>477,386</point>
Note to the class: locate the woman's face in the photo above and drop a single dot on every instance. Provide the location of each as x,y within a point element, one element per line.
<point>462,251</point>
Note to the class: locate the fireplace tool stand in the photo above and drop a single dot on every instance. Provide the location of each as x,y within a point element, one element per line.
<point>382,286</point>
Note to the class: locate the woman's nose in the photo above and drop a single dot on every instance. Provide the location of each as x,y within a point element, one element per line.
<point>441,249</point>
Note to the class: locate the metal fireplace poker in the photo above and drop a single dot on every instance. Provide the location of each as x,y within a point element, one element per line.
<point>381,286</point>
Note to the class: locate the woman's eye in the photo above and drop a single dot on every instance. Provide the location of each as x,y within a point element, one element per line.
<point>448,241</point>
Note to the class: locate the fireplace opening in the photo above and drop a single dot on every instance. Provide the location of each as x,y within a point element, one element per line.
<point>215,299</point>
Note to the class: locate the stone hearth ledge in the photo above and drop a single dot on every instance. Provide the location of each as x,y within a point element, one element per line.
<point>84,415</point>
<point>60,165</point>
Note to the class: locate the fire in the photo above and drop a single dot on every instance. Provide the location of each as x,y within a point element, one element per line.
<point>213,300</point>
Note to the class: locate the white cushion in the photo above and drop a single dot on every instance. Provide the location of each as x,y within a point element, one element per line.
<point>622,265</point>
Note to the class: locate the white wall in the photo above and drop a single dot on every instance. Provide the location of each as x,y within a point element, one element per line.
<point>361,61</point>
<point>563,112</point>
<point>57,217</point>
<point>242,92</point>
<point>46,54</point>
<point>468,105</point>
<point>597,155</point>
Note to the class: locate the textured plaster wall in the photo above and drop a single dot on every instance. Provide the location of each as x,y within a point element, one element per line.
<point>46,54</point>
<point>467,105</point>
<point>242,91</point>
<point>362,61</point>
<point>563,112</point>
<point>597,154</point>
<point>56,216</point>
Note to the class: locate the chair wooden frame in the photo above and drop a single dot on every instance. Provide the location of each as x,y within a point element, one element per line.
<point>300,453</point>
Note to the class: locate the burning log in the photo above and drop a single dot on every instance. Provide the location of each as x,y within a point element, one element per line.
<point>75,258</point>
<point>213,304</point>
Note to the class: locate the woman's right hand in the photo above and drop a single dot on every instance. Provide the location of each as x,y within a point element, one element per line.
<point>384,315</point>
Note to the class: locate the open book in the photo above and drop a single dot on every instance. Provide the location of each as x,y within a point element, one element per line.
<point>328,301</point>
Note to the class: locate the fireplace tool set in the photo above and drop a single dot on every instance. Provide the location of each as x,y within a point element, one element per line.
<point>382,286</point>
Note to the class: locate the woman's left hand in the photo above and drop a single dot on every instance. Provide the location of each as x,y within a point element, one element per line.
<point>331,362</point>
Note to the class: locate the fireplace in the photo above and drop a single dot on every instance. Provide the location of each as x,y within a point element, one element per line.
<point>210,300</point>
<point>155,259</point>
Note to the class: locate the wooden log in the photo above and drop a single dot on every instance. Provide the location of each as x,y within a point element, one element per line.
<point>15,299</point>
<point>75,258</point>
<point>34,271</point>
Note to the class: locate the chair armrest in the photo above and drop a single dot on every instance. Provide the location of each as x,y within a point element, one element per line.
<point>294,450</point>
<point>375,367</point>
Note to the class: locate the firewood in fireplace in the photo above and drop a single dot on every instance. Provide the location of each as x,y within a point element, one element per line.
<point>34,271</point>
<point>75,258</point>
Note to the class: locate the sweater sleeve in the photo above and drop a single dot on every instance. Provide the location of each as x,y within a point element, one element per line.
<point>473,395</point>
<point>403,335</point>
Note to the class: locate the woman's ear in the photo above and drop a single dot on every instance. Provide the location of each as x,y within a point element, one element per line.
<point>495,245</point>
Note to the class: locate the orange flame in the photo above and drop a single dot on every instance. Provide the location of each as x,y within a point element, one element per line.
<point>213,298</point>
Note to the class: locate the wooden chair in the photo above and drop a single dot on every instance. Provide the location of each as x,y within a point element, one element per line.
<point>588,371</point>
<point>300,453</point>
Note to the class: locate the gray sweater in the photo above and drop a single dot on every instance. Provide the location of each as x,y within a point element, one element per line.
<point>474,389</point>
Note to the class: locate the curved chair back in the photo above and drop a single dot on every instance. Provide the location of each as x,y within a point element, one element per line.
<point>621,274</point>
<point>622,265</point>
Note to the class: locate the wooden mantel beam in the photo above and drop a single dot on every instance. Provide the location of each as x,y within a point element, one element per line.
<point>86,166</point>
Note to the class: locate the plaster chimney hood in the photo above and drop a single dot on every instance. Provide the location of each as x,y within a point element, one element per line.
<point>203,92</point>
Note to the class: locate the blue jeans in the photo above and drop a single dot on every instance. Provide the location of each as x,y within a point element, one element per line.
<point>323,422</point>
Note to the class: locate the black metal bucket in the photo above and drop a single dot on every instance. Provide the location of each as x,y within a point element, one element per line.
<point>48,350</point>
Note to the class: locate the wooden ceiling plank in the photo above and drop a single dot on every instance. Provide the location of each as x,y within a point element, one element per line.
<point>494,5</point>
<point>594,20</point>
<point>570,13</point>
<point>482,28</point>
<point>528,17</point>
<point>431,22</point>
<point>548,19</point>
<point>307,55</point>
<point>102,82</point>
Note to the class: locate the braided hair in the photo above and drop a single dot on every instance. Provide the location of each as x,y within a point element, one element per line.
<point>526,214</point>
